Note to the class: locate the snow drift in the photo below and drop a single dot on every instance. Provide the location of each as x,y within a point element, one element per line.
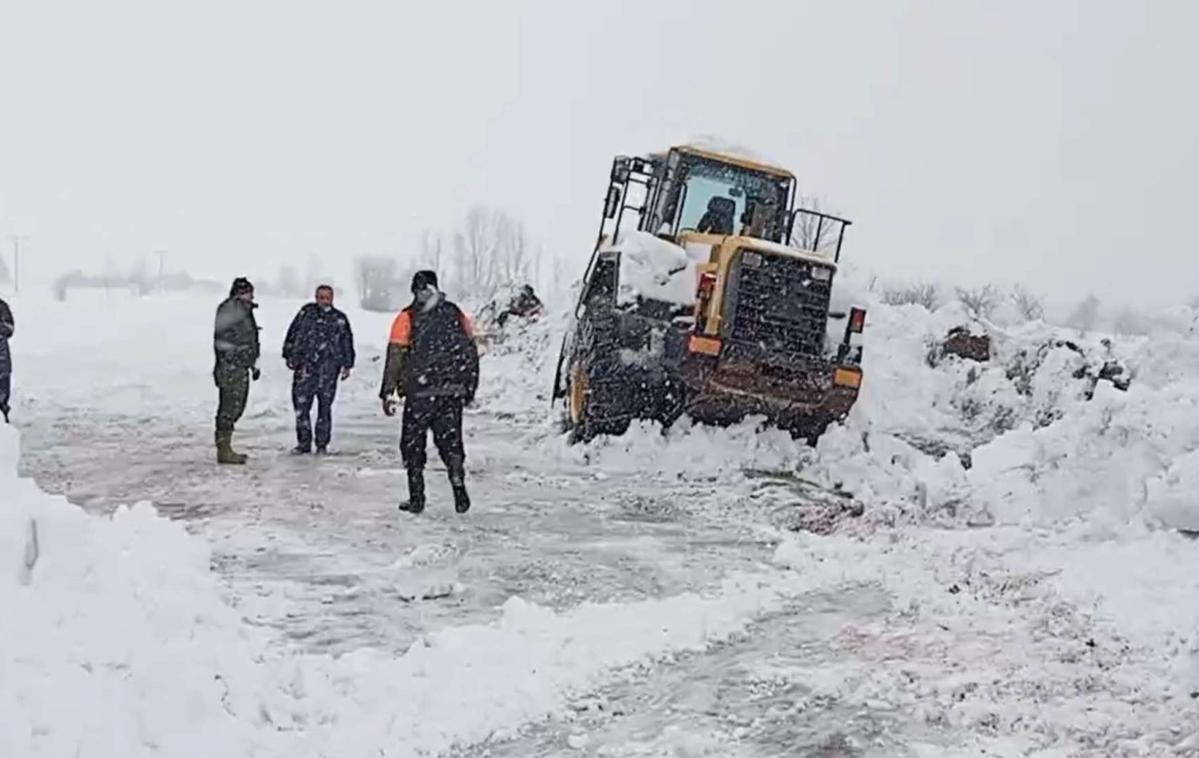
<point>116,641</point>
<point>1034,435</point>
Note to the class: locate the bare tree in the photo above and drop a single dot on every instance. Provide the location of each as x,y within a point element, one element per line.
<point>474,250</point>
<point>491,250</point>
<point>979,302</point>
<point>925,294</point>
<point>560,275</point>
<point>431,254</point>
<point>810,231</point>
<point>1028,304</point>
<point>537,268</point>
<point>514,259</point>
<point>1085,315</point>
<point>377,283</point>
<point>1130,323</point>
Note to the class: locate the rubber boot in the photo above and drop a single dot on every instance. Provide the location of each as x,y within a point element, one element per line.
<point>241,457</point>
<point>458,482</point>
<point>224,450</point>
<point>416,492</point>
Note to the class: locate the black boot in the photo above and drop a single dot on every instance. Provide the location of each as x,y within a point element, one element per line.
<point>458,483</point>
<point>416,492</point>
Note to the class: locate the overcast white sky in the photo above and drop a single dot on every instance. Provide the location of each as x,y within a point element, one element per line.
<point>1054,143</point>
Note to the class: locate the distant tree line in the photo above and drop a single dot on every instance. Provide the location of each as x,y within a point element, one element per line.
<point>489,252</point>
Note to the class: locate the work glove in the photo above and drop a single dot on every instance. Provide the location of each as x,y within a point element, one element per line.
<point>255,373</point>
<point>389,407</point>
<point>345,374</point>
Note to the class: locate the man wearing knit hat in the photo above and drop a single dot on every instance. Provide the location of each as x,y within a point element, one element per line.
<point>235,343</point>
<point>433,364</point>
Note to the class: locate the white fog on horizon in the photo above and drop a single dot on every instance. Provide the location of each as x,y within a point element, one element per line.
<point>1049,144</point>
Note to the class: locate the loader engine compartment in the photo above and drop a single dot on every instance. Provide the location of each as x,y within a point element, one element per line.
<point>779,304</point>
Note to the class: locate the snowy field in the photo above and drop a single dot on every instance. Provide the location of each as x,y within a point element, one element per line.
<point>987,559</point>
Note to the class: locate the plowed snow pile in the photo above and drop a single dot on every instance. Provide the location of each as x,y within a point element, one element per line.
<point>1047,438</point>
<point>1034,436</point>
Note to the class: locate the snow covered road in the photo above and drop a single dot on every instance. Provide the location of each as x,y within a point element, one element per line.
<point>664,610</point>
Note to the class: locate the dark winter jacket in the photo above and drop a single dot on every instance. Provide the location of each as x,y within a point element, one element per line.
<point>432,352</point>
<point>718,218</point>
<point>318,337</point>
<point>7,327</point>
<point>235,335</point>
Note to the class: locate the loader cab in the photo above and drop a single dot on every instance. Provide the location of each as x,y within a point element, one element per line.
<point>687,189</point>
<point>695,188</point>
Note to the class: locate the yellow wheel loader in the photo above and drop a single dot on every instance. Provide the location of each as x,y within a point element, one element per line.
<point>708,293</point>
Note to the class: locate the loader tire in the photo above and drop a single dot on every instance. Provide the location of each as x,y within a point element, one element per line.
<point>583,420</point>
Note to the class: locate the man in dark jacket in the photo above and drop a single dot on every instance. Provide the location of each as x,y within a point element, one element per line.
<point>6,331</point>
<point>718,218</point>
<point>235,342</point>
<point>319,348</point>
<point>433,363</point>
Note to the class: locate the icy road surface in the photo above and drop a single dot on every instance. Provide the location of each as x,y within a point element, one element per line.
<point>902,642</point>
<point>315,548</point>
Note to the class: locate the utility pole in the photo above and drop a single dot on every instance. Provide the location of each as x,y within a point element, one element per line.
<point>17,239</point>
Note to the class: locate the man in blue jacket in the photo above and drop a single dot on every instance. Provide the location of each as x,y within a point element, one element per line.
<point>320,349</point>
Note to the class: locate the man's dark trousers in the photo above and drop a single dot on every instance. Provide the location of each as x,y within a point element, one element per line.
<point>443,415</point>
<point>317,383</point>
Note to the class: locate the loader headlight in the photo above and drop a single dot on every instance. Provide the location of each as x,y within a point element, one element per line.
<point>844,377</point>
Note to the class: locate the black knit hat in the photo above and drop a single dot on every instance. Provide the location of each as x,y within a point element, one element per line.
<point>240,286</point>
<point>423,279</point>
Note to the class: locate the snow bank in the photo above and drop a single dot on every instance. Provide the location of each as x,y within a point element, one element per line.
<point>1033,436</point>
<point>117,642</point>
<point>1047,441</point>
<point>689,451</point>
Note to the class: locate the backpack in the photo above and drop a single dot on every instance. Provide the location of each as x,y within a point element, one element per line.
<point>442,359</point>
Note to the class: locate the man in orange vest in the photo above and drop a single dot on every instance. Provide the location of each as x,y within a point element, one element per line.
<point>433,364</point>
